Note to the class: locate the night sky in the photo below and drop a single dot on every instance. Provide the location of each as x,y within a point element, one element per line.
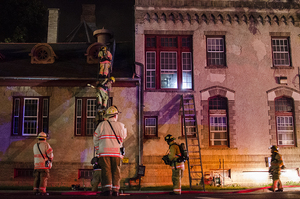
<point>114,15</point>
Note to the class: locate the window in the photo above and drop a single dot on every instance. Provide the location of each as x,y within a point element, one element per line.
<point>215,51</point>
<point>150,127</point>
<point>30,116</point>
<point>218,121</point>
<point>168,62</point>
<point>281,52</point>
<point>284,109</point>
<point>85,173</point>
<point>23,173</point>
<point>85,116</point>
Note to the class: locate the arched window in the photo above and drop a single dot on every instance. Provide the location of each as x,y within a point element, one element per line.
<point>218,123</point>
<point>284,112</point>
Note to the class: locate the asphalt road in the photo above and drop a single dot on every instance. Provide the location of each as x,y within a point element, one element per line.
<point>295,194</point>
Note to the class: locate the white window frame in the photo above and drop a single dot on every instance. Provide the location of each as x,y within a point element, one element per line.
<point>285,130</point>
<point>281,52</point>
<point>150,71</point>
<point>215,48</point>
<point>151,130</point>
<point>218,127</point>
<point>186,69</point>
<point>169,68</point>
<point>34,117</point>
<point>90,116</point>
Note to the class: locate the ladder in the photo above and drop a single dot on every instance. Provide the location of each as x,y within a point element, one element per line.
<point>192,142</point>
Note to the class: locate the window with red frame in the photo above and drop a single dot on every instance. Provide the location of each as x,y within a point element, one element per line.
<point>150,126</point>
<point>30,116</point>
<point>168,62</point>
<point>85,116</point>
<point>284,111</point>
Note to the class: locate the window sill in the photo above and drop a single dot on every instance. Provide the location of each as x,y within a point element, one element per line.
<point>282,67</point>
<point>170,91</point>
<point>23,136</point>
<point>216,67</point>
<point>154,138</point>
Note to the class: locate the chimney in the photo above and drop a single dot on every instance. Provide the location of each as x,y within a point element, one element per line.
<point>88,15</point>
<point>53,25</point>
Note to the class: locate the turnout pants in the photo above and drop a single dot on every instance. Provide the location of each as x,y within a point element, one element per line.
<point>177,174</point>
<point>111,173</point>
<point>40,180</point>
<point>104,68</point>
<point>102,97</point>
<point>96,179</point>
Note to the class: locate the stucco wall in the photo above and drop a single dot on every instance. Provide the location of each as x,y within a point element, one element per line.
<point>248,77</point>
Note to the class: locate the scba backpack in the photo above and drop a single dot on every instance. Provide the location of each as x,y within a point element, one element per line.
<point>184,155</point>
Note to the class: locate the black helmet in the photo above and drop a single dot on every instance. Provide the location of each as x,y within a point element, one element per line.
<point>274,148</point>
<point>169,138</point>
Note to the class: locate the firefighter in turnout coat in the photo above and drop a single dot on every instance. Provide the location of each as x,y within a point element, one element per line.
<point>102,92</point>
<point>275,168</point>
<point>42,153</point>
<point>105,58</point>
<point>108,150</point>
<point>177,168</point>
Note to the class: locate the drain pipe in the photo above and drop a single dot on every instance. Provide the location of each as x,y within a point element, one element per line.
<point>141,106</point>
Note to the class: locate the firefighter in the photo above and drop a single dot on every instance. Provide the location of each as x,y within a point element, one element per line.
<point>275,169</point>
<point>105,59</point>
<point>43,156</point>
<point>108,139</point>
<point>102,92</point>
<point>177,168</point>
<point>96,180</point>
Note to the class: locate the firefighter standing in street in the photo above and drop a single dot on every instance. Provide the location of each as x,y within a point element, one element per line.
<point>102,92</point>
<point>177,168</point>
<point>43,156</point>
<point>105,59</point>
<point>275,169</point>
<point>107,148</point>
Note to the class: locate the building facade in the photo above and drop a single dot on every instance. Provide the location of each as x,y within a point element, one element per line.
<point>240,61</point>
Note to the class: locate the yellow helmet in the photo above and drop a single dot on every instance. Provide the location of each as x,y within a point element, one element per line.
<point>113,79</point>
<point>103,48</point>
<point>42,135</point>
<point>111,111</point>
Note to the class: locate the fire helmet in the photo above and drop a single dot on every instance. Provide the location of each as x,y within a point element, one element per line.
<point>274,148</point>
<point>169,138</point>
<point>113,79</point>
<point>42,135</point>
<point>111,111</point>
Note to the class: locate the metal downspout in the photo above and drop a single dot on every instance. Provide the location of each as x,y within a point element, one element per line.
<point>141,105</point>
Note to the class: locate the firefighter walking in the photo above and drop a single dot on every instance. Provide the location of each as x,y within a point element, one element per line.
<point>275,169</point>
<point>177,167</point>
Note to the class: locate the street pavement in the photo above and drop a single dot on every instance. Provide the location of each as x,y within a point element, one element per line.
<point>289,193</point>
